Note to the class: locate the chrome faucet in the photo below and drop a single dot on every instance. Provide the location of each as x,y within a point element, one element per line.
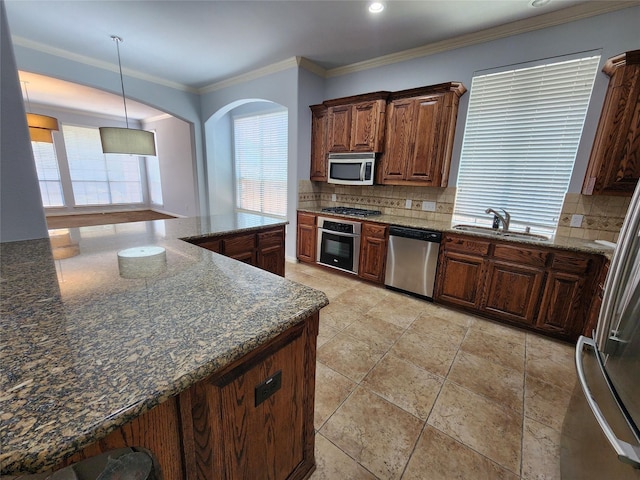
<point>504,219</point>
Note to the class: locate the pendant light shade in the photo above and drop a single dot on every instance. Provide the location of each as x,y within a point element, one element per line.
<point>40,126</point>
<point>127,140</point>
<point>130,141</point>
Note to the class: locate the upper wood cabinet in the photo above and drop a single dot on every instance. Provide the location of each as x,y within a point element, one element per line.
<point>319,150</point>
<point>614,165</point>
<point>356,124</point>
<point>421,125</point>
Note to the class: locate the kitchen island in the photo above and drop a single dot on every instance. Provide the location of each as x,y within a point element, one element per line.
<point>94,359</point>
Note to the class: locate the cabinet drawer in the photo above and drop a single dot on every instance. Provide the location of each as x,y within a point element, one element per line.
<point>466,245</point>
<point>271,238</point>
<point>239,244</point>
<point>570,263</point>
<point>373,230</point>
<point>306,218</point>
<point>520,254</point>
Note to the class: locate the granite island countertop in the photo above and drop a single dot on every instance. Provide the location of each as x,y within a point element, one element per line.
<point>84,350</point>
<point>564,243</point>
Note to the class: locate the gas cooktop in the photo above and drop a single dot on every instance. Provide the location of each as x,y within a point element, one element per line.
<point>357,212</point>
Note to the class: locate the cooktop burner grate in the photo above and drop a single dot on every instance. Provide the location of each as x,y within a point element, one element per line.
<point>357,212</point>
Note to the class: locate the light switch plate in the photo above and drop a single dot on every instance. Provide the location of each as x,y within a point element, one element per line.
<point>576,220</point>
<point>429,206</point>
<point>333,197</point>
<point>407,203</point>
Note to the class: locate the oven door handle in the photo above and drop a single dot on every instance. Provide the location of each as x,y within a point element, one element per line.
<point>340,234</point>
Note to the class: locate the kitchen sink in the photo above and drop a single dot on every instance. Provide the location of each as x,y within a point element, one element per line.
<point>501,233</point>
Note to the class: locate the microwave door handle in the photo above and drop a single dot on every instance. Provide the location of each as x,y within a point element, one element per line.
<point>362,165</point>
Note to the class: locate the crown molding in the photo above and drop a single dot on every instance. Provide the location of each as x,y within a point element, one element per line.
<point>312,67</point>
<point>58,52</point>
<point>162,116</point>
<point>578,12</point>
<point>292,62</point>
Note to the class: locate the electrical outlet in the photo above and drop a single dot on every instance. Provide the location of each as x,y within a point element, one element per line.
<point>407,203</point>
<point>333,197</point>
<point>576,220</point>
<point>429,206</point>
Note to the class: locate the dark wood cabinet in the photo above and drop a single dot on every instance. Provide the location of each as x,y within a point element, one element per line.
<point>543,289</point>
<point>218,428</point>
<point>614,165</point>
<point>263,249</point>
<point>306,238</point>
<point>420,131</point>
<point>356,124</point>
<point>319,150</point>
<point>373,252</point>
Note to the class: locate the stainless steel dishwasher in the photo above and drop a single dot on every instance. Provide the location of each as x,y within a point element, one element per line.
<point>412,258</point>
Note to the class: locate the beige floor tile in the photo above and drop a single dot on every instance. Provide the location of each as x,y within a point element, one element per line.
<point>436,329</point>
<point>460,318</point>
<point>376,433</point>
<point>505,332</point>
<point>545,403</point>
<point>338,317</point>
<point>495,349</point>
<point>551,362</point>
<point>349,356</point>
<point>376,332</point>
<point>482,424</point>
<point>326,332</point>
<point>435,356</point>
<point>540,452</point>
<point>359,300</point>
<point>332,389</point>
<point>333,464</point>
<point>502,384</point>
<point>439,457</point>
<point>402,383</point>
<point>399,309</point>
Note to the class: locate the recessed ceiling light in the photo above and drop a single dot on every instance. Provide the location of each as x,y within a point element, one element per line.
<point>376,7</point>
<point>539,3</point>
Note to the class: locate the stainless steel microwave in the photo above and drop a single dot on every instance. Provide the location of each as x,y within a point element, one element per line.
<point>351,168</point>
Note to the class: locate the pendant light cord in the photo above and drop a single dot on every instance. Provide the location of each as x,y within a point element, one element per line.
<point>118,40</point>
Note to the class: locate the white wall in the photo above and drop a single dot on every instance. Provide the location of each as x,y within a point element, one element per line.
<point>176,156</point>
<point>21,213</point>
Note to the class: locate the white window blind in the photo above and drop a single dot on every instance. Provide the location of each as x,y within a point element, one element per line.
<point>48,174</point>
<point>260,149</point>
<point>153,180</point>
<point>96,178</point>
<point>520,142</point>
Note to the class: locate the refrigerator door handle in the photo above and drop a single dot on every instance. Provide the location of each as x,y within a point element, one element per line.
<point>626,452</point>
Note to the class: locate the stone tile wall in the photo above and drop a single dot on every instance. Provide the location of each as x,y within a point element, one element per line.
<point>603,215</point>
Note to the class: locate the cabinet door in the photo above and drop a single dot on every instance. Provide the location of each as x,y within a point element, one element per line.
<point>561,304</point>
<point>513,291</point>
<point>426,159</point>
<point>339,128</point>
<point>614,165</point>
<point>270,254</point>
<point>365,123</point>
<point>399,140</point>
<point>460,279</point>
<point>241,247</point>
<point>373,252</point>
<point>306,239</point>
<point>319,123</point>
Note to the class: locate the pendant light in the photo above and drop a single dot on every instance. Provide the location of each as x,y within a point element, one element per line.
<point>126,140</point>
<point>40,126</point>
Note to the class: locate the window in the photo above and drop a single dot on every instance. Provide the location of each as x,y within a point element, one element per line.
<point>96,178</point>
<point>153,180</point>
<point>260,149</point>
<point>48,174</point>
<point>520,142</point>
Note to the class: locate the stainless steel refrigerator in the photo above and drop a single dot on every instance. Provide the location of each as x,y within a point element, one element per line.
<point>601,436</point>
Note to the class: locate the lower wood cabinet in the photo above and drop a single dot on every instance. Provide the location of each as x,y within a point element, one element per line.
<point>264,249</point>
<point>373,252</point>
<point>229,426</point>
<point>306,240</point>
<point>540,288</point>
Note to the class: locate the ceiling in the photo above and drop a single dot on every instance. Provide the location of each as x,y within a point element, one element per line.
<point>192,45</point>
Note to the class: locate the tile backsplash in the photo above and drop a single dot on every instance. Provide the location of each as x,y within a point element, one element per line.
<point>602,215</point>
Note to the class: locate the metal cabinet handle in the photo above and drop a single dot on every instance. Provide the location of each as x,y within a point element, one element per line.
<point>626,452</point>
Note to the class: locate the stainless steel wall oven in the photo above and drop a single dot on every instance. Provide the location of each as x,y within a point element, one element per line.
<point>339,244</point>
